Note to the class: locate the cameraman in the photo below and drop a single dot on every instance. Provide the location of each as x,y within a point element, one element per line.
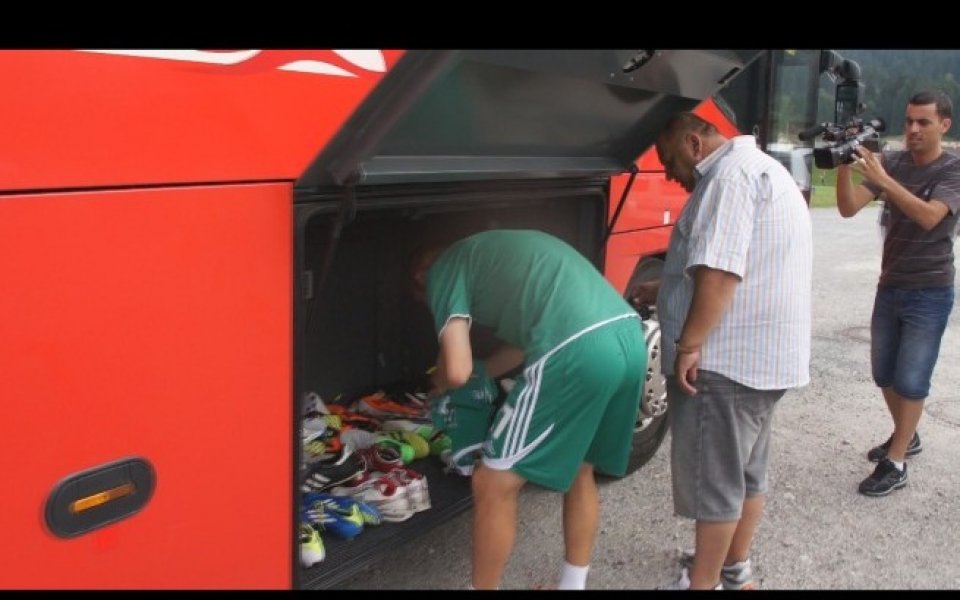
<point>921,189</point>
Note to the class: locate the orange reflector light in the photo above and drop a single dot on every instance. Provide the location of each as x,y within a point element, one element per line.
<point>101,498</point>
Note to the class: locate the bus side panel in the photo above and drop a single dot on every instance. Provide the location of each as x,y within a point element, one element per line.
<point>174,116</point>
<point>152,324</point>
<point>651,202</point>
<point>625,250</point>
<point>645,223</point>
<point>651,208</point>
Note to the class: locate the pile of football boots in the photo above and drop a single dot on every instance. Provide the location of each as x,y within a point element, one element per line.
<point>355,469</point>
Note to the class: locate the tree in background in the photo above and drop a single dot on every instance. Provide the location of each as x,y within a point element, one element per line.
<point>891,76</point>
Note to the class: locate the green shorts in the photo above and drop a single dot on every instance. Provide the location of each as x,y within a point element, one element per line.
<point>578,403</point>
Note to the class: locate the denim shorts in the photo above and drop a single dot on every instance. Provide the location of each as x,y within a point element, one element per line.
<point>905,334</point>
<point>719,446</point>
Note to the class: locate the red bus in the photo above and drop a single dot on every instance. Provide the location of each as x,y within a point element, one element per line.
<point>192,241</point>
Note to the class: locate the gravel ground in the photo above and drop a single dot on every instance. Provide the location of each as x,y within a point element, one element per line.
<point>818,532</point>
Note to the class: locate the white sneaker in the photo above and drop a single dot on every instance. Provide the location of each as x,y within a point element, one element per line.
<point>738,576</point>
<point>683,582</point>
<point>312,403</point>
<point>313,427</point>
<point>416,483</point>
<point>358,438</point>
<point>384,494</point>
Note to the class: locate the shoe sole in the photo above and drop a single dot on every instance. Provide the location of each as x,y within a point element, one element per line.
<point>742,587</point>
<point>308,558</point>
<point>398,517</point>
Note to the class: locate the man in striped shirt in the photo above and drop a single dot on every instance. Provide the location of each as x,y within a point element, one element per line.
<point>735,298</point>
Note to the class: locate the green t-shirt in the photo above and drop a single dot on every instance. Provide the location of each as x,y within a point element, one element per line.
<point>534,290</point>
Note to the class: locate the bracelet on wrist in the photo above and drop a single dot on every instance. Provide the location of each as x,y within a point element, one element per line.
<point>681,349</point>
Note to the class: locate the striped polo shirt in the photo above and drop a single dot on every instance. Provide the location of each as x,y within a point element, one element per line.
<point>745,216</point>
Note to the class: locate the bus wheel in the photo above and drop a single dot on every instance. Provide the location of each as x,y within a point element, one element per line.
<point>651,425</point>
<point>648,269</point>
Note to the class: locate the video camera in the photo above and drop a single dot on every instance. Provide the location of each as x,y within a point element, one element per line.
<point>843,139</point>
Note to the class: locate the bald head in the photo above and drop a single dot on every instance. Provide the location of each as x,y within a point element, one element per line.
<point>684,141</point>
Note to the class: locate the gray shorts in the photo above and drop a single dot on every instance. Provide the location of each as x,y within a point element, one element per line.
<point>720,443</point>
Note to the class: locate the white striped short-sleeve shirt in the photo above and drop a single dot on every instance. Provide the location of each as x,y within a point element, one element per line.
<point>745,216</point>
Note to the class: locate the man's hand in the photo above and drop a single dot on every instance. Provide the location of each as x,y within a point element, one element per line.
<point>644,294</point>
<point>851,198</point>
<point>685,370</point>
<point>868,164</point>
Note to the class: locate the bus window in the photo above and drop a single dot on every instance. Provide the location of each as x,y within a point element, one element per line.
<point>796,82</point>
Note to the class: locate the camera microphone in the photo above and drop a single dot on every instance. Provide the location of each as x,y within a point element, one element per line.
<point>812,132</point>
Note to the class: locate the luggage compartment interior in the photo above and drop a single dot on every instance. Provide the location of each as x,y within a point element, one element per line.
<point>358,328</point>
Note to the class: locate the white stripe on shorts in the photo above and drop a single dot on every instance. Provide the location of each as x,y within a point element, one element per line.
<point>519,420</point>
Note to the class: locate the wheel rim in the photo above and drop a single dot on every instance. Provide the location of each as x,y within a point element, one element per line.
<point>653,401</point>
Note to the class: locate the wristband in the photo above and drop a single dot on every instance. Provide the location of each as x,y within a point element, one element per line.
<point>684,349</point>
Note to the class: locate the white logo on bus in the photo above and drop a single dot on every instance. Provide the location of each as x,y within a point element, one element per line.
<point>368,60</point>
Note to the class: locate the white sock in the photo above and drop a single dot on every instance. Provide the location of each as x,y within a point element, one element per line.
<point>898,465</point>
<point>573,577</point>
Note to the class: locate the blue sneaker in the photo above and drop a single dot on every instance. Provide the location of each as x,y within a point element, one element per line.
<point>344,526</point>
<point>344,505</point>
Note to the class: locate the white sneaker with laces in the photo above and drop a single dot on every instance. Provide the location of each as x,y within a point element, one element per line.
<point>416,483</point>
<point>384,494</point>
